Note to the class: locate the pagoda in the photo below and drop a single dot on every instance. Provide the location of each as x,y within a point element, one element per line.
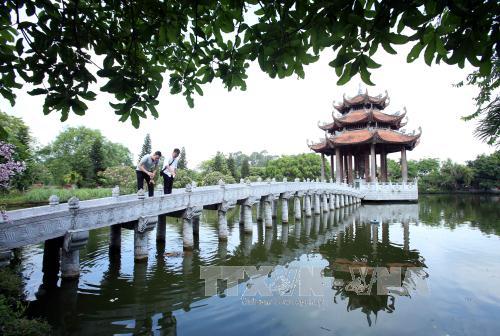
<point>360,131</point>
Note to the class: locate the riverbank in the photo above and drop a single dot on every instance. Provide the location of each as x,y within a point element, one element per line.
<point>13,320</point>
<point>40,196</point>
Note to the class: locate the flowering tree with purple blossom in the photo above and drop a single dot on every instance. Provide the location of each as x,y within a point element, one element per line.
<point>8,167</point>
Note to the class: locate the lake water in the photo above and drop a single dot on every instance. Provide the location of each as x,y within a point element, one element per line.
<point>321,276</point>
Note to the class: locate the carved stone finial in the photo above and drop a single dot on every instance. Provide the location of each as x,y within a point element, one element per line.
<point>73,203</point>
<point>115,192</point>
<point>331,180</point>
<point>273,180</point>
<point>268,180</point>
<point>259,179</point>
<point>285,179</point>
<point>194,184</point>
<point>53,200</point>
<point>141,194</point>
<point>222,183</point>
<point>189,187</point>
<point>248,182</point>
<point>297,179</point>
<point>242,180</point>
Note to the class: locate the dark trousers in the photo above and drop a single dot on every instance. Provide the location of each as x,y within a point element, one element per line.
<point>168,182</point>
<point>141,176</point>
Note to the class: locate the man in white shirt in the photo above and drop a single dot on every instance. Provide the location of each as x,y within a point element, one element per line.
<point>169,170</point>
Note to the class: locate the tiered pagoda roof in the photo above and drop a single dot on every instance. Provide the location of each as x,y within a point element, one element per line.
<point>362,100</point>
<point>363,121</point>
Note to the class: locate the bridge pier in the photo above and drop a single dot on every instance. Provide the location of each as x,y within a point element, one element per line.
<point>260,210</point>
<point>70,254</point>
<point>247,219</point>
<point>196,226</point>
<point>284,207</point>
<point>187,227</point>
<point>317,204</point>
<point>307,204</point>
<point>268,218</point>
<point>337,201</point>
<point>222,220</point>
<point>241,218</point>
<point>51,262</point>
<point>161,228</point>
<point>297,213</point>
<point>341,200</point>
<point>325,202</point>
<point>115,237</point>
<point>332,202</point>
<point>140,240</point>
<point>275,208</point>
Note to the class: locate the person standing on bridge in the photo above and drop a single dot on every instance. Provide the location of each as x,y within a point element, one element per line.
<point>146,170</point>
<point>169,171</point>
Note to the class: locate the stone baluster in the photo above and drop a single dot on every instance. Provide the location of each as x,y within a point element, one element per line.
<point>74,239</point>
<point>161,228</point>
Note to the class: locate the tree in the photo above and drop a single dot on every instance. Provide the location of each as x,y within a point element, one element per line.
<point>57,47</point>
<point>231,166</point>
<point>8,166</point>
<point>486,171</point>
<point>71,152</point>
<point>300,166</point>
<point>18,135</point>
<point>146,147</point>
<point>182,163</point>
<point>487,103</point>
<point>97,158</point>
<point>245,169</point>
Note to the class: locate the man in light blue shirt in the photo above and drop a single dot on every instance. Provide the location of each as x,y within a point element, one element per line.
<point>146,170</point>
<point>169,170</point>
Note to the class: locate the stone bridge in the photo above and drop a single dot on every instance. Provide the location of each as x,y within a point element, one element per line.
<point>67,225</point>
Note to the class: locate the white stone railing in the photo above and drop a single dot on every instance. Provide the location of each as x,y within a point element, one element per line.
<point>35,225</point>
<point>388,191</point>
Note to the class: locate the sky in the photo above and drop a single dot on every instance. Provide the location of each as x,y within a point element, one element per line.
<point>280,115</point>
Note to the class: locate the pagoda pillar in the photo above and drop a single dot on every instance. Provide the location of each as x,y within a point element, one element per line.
<point>331,167</point>
<point>372,163</point>
<point>349,169</point>
<point>383,166</point>
<point>367,166</point>
<point>322,167</point>
<point>404,165</point>
<point>337,171</point>
<point>345,172</point>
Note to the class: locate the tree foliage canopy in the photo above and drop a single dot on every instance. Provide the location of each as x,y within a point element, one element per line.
<point>62,47</point>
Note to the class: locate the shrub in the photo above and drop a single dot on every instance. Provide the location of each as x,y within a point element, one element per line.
<point>214,177</point>
<point>122,176</point>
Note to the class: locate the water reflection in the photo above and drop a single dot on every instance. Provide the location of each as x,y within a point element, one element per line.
<point>117,296</point>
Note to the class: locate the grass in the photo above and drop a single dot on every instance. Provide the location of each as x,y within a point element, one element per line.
<point>40,196</point>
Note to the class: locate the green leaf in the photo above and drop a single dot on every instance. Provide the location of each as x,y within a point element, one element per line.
<point>387,47</point>
<point>346,76</point>
<point>414,52</point>
<point>38,91</point>
<point>365,76</point>
<point>429,53</point>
